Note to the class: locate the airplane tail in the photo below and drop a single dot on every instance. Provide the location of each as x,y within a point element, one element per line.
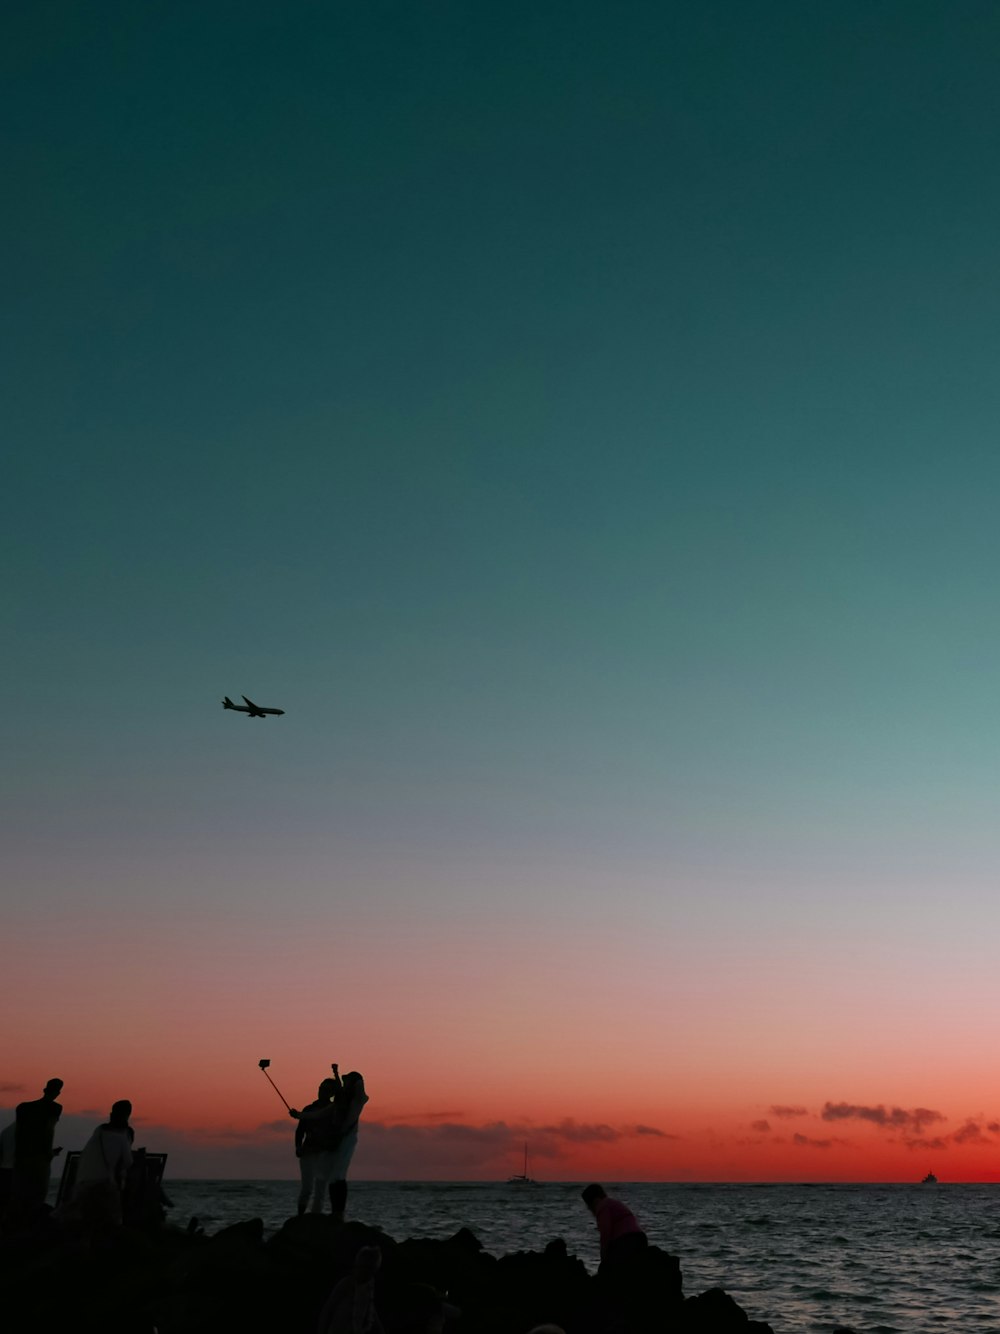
<point>227,703</point>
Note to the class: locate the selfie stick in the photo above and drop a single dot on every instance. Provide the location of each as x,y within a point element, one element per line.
<point>263,1065</point>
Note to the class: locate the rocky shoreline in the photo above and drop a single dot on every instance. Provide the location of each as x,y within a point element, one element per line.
<point>315,1276</point>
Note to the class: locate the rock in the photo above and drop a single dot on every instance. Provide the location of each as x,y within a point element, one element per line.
<point>715,1312</point>
<point>238,1238</point>
<point>125,1281</point>
<point>465,1240</point>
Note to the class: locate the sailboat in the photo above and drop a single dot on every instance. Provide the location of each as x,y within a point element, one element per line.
<point>523,1179</point>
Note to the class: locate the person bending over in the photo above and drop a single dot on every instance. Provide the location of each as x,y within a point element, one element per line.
<point>618,1228</point>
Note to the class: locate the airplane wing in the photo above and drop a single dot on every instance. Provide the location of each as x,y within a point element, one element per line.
<point>255,711</point>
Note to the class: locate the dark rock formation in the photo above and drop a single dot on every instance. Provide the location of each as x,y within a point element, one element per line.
<point>125,1281</point>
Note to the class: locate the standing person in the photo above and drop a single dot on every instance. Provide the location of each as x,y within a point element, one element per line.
<point>353,1098</point>
<point>8,1138</point>
<point>316,1136</point>
<point>33,1151</point>
<point>103,1167</point>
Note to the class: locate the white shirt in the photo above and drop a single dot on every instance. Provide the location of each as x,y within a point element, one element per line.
<point>107,1156</point>
<point>355,1107</point>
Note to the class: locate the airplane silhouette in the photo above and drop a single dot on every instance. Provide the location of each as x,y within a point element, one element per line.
<point>252,710</point>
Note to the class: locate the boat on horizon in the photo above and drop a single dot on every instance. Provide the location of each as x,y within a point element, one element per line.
<point>929,1180</point>
<point>523,1179</point>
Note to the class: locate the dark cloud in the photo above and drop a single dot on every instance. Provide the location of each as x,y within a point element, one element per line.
<point>762,1127</point>
<point>445,1149</point>
<point>580,1132</point>
<point>191,1153</point>
<point>246,1136</point>
<point>783,1112</point>
<point>432,1150</point>
<point>449,1149</point>
<point>807,1142</point>
<point>894,1118</point>
<point>969,1133</point>
<point>583,1132</point>
<point>6,1087</point>
<point>426,1116</point>
<point>494,1132</point>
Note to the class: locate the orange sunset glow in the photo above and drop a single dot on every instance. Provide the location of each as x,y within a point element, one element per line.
<point>608,1054</point>
<point>501,544</point>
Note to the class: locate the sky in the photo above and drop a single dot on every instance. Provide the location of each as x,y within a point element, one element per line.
<point>581,419</point>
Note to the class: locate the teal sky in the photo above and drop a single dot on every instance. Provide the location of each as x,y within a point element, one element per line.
<point>581,418</point>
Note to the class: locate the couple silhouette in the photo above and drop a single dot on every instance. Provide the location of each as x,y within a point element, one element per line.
<point>325,1139</point>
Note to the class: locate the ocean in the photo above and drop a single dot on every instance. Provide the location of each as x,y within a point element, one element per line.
<point>898,1259</point>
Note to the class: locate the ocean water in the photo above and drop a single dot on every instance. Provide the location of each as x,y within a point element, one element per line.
<point>879,1259</point>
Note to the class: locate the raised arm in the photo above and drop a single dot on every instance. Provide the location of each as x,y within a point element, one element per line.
<point>320,1113</point>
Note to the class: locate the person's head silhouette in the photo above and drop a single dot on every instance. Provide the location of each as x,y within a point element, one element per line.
<point>592,1196</point>
<point>120,1113</point>
<point>52,1090</point>
<point>327,1090</point>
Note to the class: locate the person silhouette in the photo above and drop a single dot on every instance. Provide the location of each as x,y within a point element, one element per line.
<point>352,1098</point>
<point>35,1124</point>
<point>624,1291</point>
<point>617,1226</point>
<point>8,1137</point>
<point>325,1140</point>
<point>350,1307</point>
<point>316,1137</point>
<point>103,1167</point>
